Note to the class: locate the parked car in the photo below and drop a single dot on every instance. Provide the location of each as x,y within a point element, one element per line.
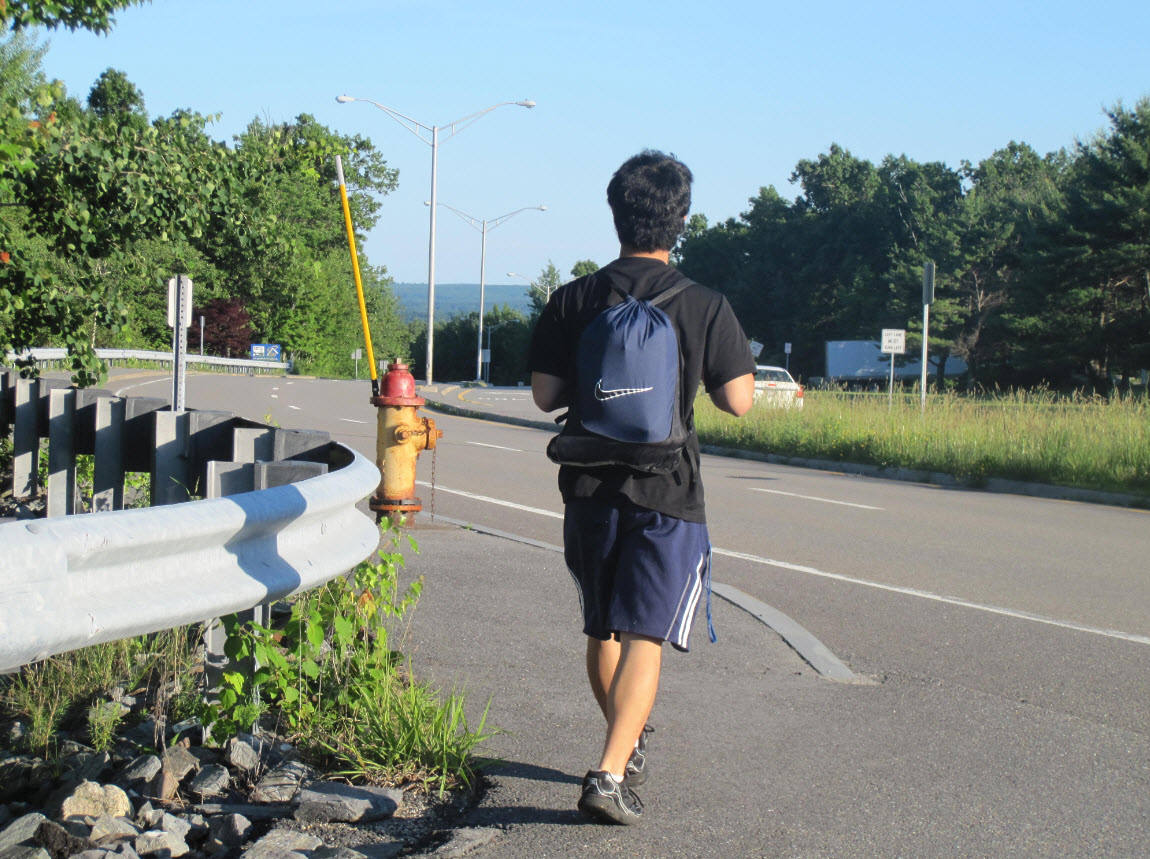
<point>775,387</point>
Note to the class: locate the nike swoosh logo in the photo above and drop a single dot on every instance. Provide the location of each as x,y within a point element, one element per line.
<point>602,393</point>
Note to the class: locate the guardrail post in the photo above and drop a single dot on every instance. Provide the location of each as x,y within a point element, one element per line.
<point>26,439</point>
<point>253,445</point>
<point>61,454</point>
<point>108,475</point>
<point>6,394</point>
<point>171,475</point>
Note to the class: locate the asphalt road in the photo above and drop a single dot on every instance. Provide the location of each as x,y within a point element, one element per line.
<point>1009,637</point>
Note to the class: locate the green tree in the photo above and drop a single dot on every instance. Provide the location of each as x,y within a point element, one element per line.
<point>539,292</point>
<point>20,68</point>
<point>584,267</point>
<point>1105,265</point>
<point>95,15</point>
<point>116,98</point>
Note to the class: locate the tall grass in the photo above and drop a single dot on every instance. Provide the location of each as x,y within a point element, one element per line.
<point>1079,441</point>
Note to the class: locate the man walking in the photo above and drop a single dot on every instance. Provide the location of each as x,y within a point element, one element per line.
<point>635,540</point>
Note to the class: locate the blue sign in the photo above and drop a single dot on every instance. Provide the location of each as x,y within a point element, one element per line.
<point>266,352</point>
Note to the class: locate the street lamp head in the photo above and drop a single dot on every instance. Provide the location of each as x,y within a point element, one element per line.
<point>526,103</point>
<point>542,208</point>
<point>344,99</point>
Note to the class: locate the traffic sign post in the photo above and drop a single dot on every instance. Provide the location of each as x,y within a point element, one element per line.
<point>787,351</point>
<point>893,343</point>
<point>357,354</point>
<point>927,301</point>
<point>179,318</point>
<point>756,347</point>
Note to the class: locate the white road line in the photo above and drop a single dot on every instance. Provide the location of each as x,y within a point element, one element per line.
<point>119,392</point>
<point>294,407</point>
<point>275,396</point>
<point>490,500</point>
<point>496,446</point>
<point>913,592</point>
<point>816,498</point>
<point>352,421</point>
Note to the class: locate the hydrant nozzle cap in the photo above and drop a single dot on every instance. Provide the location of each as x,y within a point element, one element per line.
<point>398,388</point>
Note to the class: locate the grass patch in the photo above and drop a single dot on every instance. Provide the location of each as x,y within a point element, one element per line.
<point>1080,441</point>
<point>68,691</point>
<point>331,679</point>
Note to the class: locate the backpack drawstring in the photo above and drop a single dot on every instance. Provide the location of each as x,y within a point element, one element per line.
<point>710,625</point>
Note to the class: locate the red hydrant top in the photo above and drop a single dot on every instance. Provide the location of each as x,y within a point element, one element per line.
<point>398,388</point>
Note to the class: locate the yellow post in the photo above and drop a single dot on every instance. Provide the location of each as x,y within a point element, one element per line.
<point>355,268</point>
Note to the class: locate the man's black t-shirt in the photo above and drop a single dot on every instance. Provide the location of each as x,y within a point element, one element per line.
<point>714,350</point>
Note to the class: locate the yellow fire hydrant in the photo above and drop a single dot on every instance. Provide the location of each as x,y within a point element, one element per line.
<point>400,435</point>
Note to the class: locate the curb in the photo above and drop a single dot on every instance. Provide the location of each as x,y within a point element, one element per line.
<point>997,485</point>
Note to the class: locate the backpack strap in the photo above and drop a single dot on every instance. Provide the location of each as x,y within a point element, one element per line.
<point>668,294</point>
<point>664,296</point>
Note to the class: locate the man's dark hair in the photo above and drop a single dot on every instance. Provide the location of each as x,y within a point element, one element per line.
<point>649,197</point>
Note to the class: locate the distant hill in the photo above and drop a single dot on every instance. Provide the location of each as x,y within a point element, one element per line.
<point>452,299</point>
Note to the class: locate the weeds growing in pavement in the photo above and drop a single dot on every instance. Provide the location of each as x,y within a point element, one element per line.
<point>348,698</point>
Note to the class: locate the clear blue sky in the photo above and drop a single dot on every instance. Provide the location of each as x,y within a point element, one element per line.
<point>739,90</point>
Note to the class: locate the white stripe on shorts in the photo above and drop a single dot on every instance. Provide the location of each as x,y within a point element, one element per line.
<point>684,630</point>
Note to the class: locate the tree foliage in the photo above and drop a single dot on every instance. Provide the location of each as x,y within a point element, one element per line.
<point>1042,261</point>
<point>100,205</point>
<point>94,15</point>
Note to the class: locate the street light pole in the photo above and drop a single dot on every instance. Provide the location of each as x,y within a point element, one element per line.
<point>546,293</point>
<point>489,332</point>
<point>418,129</point>
<point>483,227</point>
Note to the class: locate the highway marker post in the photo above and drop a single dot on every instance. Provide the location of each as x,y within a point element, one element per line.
<point>179,319</point>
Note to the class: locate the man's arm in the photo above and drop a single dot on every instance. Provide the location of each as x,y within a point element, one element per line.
<point>549,392</point>
<point>735,397</point>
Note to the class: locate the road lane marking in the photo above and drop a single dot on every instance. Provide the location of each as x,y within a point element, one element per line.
<point>294,407</point>
<point>927,595</point>
<point>496,446</point>
<point>275,396</point>
<point>352,421</point>
<point>815,498</point>
<point>441,488</point>
<point>798,568</point>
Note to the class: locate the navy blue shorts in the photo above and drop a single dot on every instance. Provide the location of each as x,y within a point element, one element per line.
<point>636,570</point>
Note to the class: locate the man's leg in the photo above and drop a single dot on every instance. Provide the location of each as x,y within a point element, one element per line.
<point>602,660</point>
<point>629,697</point>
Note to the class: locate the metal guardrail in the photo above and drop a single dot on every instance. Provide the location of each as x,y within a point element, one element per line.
<point>48,354</point>
<point>79,580</point>
<point>279,517</point>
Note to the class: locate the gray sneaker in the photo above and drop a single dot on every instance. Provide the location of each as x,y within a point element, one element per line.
<point>636,772</point>
<point>607,801</point>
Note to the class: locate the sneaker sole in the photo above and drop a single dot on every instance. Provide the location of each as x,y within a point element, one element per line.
<point>604,810</point>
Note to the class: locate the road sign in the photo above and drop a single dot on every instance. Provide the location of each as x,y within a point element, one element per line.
<point>787,348</point>
<point>756,348</point>
<point>928,284</point>
<point>357,354</point>
<point>894,341</point>
<point>265,351</point>
<point>180,300</point>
